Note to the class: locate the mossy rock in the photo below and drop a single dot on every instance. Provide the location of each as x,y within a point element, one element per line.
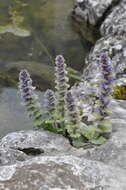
<point>120,92</point>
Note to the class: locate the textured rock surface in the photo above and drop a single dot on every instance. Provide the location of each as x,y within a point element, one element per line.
<point>116,47</point>
<point>18,146</point>
<point>91,11</point>
<point>90,14</point>
<point>113,41</point>
<point>66,172</point>
<point>8,155</point>
<point>115,22</point>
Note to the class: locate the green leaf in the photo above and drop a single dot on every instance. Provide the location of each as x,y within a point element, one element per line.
<point>38,123</point>
<point>75,77</point>
<point>49,125</point>
<point>37,114</point>
<point>105,128</point>
<point>92,132</point>
<point>78,142</point>
<point>49,121</point>
<point>98,141</point>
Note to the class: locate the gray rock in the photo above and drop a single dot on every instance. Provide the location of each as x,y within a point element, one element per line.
<point>117,50</point>
<point>113,41</point>
<point>115,22</point>
<point>113,152</point>
<point>114,44</point>
<point>41,141</point>
<point>23,145</point>
<point>91,78</point>
<point>62,172</point>
<point>118,108</point>
<point>91,11</point>
<point>10,156</point>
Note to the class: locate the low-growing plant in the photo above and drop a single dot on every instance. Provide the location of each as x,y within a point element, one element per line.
<point>61,113</point>
<point>119,92</point>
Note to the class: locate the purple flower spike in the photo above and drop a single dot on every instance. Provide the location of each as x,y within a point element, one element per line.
<point>105,87</point>
<point>71,105</point>
<point>25,85</point>
<point>30,99</point>
<point>50,101</point>
<point>61,83</point>
<point>73,124</point>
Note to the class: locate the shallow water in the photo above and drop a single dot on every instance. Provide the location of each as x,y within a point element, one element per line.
<point>13,115</point>
<point>32,33</point>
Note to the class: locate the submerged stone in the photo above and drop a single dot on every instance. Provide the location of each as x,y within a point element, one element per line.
<point>14,30</point>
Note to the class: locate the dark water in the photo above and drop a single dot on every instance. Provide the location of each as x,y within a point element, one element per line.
<point>32,33</point>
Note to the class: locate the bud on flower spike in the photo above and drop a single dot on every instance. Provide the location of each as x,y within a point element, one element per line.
<point>30,99</point>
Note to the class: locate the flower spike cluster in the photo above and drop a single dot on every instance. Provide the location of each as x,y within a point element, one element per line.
<point>30,99</point>
<point>61,82</point>
<point>105,88</point>
<point>63,114</point>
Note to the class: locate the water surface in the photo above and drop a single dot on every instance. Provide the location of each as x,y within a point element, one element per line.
<point>13,115</point>
<point>32,33</point>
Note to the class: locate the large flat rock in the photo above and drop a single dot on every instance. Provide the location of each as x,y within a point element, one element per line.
<point>23,145</point>
<point>61,172</point>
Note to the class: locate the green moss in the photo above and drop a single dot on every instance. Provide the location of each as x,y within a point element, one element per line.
<point>120,92</point>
